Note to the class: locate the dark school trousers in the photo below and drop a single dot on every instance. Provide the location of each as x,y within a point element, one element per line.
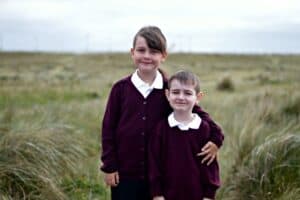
<point>131,190</point>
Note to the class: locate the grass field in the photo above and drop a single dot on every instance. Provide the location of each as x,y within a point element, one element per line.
<point>51,106</point>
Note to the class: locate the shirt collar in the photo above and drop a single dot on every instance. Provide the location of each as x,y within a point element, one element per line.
<point>138,82</point>
<point>194,124</point>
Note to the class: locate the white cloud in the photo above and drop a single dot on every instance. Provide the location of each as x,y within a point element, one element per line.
<point>118,20</point>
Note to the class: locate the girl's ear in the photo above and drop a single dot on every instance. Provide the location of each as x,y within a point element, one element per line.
<point>167,93</point>
<point>164,56</point>
<point>132,51</point>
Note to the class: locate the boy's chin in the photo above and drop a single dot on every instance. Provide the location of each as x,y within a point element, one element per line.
<point>180,110</point>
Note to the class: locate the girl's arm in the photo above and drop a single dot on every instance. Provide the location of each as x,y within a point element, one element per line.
<point>210,150</point>
<point>111,179</point>
<point>109,126</point>
<point>216,134</point>
<point>210,179</point>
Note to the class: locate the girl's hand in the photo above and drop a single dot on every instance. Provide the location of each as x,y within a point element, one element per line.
<point>210,151</point>
<point>207,198</point>
<point>111,179</point>
<point>159,198</point>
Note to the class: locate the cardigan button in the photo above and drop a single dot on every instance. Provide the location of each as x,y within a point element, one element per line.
<point>145,102</point>
<point>144,118</point>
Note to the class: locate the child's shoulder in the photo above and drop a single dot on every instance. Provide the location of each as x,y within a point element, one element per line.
<point>121,82</point>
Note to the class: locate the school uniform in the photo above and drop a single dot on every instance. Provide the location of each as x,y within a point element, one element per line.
<point>175,170</point>
<point>133,110</point>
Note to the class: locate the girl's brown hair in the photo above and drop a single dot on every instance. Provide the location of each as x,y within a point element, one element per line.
<point>154,37</point>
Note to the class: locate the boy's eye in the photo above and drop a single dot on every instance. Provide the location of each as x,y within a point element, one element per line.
<point>188,93</point>
<point>175,92</point>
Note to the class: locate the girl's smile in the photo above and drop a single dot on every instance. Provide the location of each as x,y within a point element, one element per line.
<point>146,59</point>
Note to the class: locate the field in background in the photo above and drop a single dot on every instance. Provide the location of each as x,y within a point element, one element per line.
<point>51,106</point>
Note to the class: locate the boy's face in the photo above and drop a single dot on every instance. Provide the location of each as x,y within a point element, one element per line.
<point>146,59</point>
<point>182,96</point>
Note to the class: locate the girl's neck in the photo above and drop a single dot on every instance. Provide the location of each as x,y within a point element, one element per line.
<point>147,77</point>
<point>183,117</point>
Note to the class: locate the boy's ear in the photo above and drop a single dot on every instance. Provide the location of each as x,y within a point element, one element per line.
<point>199,96</point>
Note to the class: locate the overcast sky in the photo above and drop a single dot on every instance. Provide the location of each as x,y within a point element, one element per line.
<point>232,26</point>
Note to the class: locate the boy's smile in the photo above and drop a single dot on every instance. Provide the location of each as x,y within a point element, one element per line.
<point>182,96</point>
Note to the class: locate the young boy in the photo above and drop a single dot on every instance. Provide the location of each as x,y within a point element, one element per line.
<point>175,168</point>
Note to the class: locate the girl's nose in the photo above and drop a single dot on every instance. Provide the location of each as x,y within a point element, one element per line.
<point>147,54</point>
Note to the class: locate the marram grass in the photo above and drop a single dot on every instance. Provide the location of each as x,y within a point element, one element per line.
<point>65,94</point>
<point>271,169</point>
<point>33,165</point>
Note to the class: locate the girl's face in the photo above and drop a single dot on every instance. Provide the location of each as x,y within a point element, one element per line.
<point>145,59</point>
<point>182,97</point>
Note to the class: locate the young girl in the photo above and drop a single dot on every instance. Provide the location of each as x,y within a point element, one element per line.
<point>175,171</point>
<point>135,105</point>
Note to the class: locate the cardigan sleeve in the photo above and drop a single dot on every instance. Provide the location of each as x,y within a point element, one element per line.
<point>109,127</point>
<point>154,162</point>
<point>216,134</point>
<point>210,179</point>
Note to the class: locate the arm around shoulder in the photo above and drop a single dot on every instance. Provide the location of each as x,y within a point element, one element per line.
<point>216,133</point>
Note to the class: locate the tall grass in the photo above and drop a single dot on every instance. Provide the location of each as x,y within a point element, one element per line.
<point>270,170</point>
<point>265,150</point>
<point>34,162</point>
<point>51,107</point>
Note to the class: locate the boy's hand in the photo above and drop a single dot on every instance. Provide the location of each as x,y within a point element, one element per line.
<point>111,179</point>
<point>210,151</point>
<point>159,198</point>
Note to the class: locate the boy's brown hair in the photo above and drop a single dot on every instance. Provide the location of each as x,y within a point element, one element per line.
<point>186,77</point>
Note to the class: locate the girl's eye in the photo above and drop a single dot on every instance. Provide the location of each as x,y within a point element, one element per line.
<point>154,51</point>
<point>140,50</point>
<point>175,92</point>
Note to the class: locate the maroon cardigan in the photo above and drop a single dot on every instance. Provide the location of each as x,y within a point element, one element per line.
<point>128,121</point>
<point>175,170</point>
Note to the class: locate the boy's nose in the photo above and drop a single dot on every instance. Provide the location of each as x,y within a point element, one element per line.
<point>181,95</point>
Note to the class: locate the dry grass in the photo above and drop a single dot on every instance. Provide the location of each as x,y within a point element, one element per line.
<point>51,107</point>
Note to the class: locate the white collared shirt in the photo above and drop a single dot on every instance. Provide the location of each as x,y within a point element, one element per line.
<point>194,124</point>
<point>144,88</point>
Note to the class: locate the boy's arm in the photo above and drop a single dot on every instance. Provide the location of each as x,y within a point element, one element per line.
<point>109,124</point>
<point>154,162</point>
<point>210,179</point>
